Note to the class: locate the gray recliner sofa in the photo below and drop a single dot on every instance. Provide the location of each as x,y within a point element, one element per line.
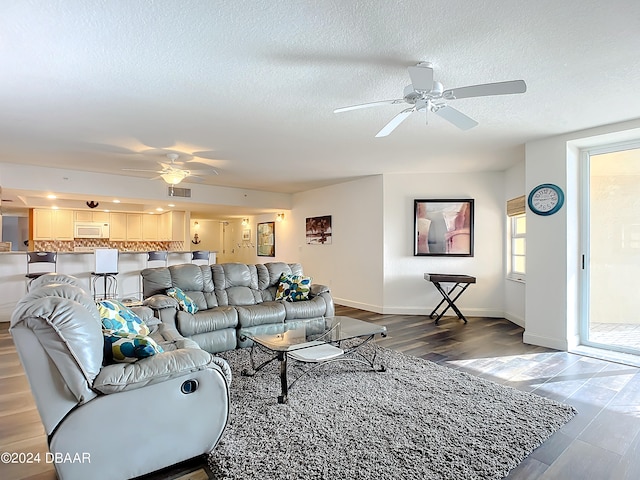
<point>175,404</point>
<point>231,298</point>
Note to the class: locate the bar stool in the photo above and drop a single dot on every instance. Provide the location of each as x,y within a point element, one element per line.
<point>106,269</point>
<point>200,255</point>
<point>41,258</point>
<point>158,256</point>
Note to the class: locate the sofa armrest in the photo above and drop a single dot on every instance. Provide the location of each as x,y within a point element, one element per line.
<point>317,289</point>
<point>156,369</point>
<point>146,315</point>
<point>159,302</point>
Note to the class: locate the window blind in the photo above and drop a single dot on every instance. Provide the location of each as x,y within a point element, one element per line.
<point>515,206</point>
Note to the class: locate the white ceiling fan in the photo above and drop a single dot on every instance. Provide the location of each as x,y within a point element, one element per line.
<point>424,95</point>
<point>173,172</point>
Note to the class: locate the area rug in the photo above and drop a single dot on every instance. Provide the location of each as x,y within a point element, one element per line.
<point>416,420</point>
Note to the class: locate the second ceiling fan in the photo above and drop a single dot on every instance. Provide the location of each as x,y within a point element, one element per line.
<point>424,95</point>
<point>173,172</point>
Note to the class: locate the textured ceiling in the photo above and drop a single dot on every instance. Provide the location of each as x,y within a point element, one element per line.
<point>250,86</point>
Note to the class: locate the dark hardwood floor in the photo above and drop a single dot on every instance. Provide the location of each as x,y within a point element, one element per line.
<point>600,443</point>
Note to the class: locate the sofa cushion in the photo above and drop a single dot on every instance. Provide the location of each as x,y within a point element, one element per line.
<point>206,320</point>
<point>188,277</point>
<point>218,341</point>
<point>184,300</point>
<point>239,275</point>
<point>276,270</point>
<point>128,347</point>
<point>155,281</point>
<point>264,313</point>
<point>241,296</point>
<point>115,316</point>
<point>293,288</point>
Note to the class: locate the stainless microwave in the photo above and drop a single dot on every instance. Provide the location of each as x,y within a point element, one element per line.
<point>91,230</point>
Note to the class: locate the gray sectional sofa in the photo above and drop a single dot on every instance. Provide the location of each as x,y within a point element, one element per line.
<point>232,299</point>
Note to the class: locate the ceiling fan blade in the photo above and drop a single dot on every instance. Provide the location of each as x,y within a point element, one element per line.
<point>421,77</point>
<point>203,172</point>
<point>367,105</point>
<point>499,88</point>
<point>138,170</point>
<point>395,121</point>
<point>456,117</point>
<point>205,161</point>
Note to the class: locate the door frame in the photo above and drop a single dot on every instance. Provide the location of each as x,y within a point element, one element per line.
<point>585,247</point>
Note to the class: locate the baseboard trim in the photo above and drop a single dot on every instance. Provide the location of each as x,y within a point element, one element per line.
<point>515,319</point>
<point>359,305</point>
<point>398,310</point>
<point>545,341</point>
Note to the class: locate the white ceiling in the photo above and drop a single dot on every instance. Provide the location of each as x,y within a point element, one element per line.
<point>251,85</point>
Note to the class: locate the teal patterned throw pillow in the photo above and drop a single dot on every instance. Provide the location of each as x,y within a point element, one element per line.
<point>185,302</point>
<point>128,347</point>
<point>115,316</point>
<point>293,288</point>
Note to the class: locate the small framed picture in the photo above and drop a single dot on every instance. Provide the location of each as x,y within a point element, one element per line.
<point>443,227</point>
<point>246,234</point>
<point>318,230</point>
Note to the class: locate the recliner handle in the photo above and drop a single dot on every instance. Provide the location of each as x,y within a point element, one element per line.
<point>189,386</point>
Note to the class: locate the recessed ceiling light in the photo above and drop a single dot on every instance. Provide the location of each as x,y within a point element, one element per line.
<point>51,196</point>
<point>54,207</point>
<point>115,200</point>
<point>107,211</point>
<point>172,205</point>
<point>160,209</point>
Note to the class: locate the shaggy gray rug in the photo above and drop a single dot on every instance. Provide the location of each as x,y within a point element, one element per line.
<point>417,420</point>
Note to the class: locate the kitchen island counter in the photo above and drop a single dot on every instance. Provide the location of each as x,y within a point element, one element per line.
<point>13,268</point>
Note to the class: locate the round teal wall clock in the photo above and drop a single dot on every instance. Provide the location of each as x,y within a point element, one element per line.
<point>546,199</point>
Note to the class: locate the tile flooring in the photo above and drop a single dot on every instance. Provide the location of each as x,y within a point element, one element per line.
<point>621,334</point>
<point>602,442</point>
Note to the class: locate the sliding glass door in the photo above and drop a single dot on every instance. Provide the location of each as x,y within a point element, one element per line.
<point>611,261</point>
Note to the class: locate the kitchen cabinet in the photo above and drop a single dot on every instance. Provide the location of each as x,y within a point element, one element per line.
<point>63,224</point>
<point>177,227</point>
<point>149,227</point>
<point>42,224</point>
<point>49,224</point>
<point>80,216</point>
<point>164,233</point>
<point>171,227</point>
<point>89,216</point>
<point>134,227</point>
<point>118,227</point>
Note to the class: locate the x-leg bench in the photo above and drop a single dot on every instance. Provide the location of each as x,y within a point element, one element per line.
<point>460,281</point>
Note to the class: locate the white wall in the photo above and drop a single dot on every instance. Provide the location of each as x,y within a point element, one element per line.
<point>405,290</point>
<point>209,235</point>
<point>553,242</point>
<point>352,266</point>
<point>514,292</point>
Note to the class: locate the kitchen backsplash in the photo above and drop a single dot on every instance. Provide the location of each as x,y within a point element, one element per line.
<point>86,244</point>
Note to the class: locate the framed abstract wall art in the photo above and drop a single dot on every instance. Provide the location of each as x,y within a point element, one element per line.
<point>443,227</point>
<point>267,239</point>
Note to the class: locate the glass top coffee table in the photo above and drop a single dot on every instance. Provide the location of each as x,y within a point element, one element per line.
<point>316,341</point>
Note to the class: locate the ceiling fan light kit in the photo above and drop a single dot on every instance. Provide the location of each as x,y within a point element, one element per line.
<point>174,177</point>
<point>172,173</point>
<point>426,95</point>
